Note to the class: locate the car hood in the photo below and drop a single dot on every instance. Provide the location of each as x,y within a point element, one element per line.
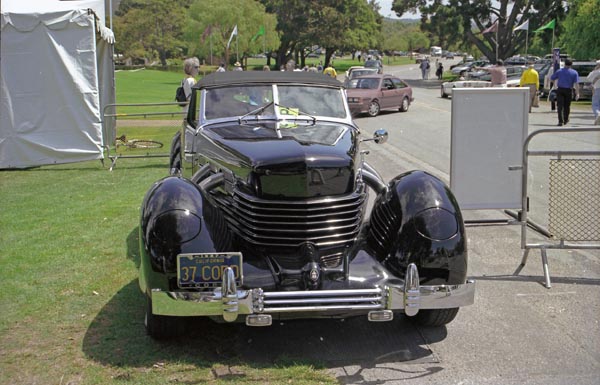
<point>308,161</point>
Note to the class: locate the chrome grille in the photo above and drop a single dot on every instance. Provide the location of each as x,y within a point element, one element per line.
<point>323,221</point>
<point>321,300</point>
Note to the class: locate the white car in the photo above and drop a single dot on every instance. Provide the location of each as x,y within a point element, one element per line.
<point>446,88</point>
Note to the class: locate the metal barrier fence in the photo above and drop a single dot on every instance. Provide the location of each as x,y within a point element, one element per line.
<point>140,130</point>
<point>573,204</point>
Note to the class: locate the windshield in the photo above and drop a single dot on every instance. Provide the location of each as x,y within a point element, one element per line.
<point>238,101</point>
<point>274,100</point>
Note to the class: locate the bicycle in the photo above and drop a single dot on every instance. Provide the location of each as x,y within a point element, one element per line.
<point>137,143</point>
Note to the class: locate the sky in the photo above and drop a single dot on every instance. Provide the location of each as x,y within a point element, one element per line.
<point>386,11</point>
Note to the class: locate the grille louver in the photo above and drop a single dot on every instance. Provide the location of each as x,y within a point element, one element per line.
<point>384,222</point>
<point>322,221</point>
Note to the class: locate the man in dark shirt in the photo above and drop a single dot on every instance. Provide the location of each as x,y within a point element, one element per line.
<point>567,81</point>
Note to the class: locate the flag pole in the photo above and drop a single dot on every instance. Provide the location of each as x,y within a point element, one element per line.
<point>497,28</point>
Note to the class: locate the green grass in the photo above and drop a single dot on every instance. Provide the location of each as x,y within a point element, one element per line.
<point>72,311</point>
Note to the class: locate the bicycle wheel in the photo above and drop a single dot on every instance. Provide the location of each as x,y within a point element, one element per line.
<point>142,143</point>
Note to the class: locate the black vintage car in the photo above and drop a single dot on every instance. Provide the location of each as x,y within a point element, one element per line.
<point>263,215</point>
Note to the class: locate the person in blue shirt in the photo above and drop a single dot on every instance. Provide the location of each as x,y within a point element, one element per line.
<point>568,79</point>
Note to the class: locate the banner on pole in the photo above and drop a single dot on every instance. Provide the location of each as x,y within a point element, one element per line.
<point>233,33</point>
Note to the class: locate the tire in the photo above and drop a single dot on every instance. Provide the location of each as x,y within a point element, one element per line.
<point>405,104</point>
<point>442,93</point>
<point>435,317</point>
<point>141,143</point>
<point>161,327</point>
<point>374,108</point>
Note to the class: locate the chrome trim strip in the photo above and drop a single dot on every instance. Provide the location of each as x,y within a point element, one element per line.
<point>210,303</point>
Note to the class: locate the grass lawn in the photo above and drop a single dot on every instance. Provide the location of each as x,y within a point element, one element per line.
<point>71,310</point>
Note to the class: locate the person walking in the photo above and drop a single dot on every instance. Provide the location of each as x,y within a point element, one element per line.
<point>439,71</point>
<point>594,79</point>
<point>497,73</point>
<point>221,68</point>
<point>567,80</point>
<point>191,68</point>
<point>330,71</point>
<point>424,65</point>
<point>531,78</point>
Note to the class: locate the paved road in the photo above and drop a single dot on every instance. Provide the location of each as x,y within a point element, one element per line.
<point>518,332</point>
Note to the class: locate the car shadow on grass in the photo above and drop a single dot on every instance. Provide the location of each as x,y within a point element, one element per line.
<point>116,337</point>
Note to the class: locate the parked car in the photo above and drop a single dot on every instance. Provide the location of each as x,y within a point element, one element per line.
<point>373,93</point>
<point>584,68</point>
<point>468,66</point>
<point>263,216</point>
<point>374,63</point>
<point>356,71</point>
<point>511,72</point>
<point>447,87</point>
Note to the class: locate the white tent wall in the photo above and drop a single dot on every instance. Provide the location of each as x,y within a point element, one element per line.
<point>55,77</point>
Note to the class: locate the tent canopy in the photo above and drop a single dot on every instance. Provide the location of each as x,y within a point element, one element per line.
<point>56,76</point>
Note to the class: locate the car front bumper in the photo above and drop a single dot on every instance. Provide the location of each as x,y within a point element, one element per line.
<point>258,306</point>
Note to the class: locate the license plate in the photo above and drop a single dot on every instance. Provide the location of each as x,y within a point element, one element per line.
<point>206,270</point>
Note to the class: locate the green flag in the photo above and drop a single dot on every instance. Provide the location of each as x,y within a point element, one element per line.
<point>550,25</point>
<point>261,31</point>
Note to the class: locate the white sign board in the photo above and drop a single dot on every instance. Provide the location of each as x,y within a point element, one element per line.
<point>489,127</point>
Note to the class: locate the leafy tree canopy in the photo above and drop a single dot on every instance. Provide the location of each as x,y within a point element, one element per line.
<point>331,24</point>
<point>149,28</point>
<point>212,23</point>
<point>582,27</point>
<point>454,20</point>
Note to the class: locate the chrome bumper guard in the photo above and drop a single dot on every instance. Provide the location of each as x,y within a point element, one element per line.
<point>229,302</point>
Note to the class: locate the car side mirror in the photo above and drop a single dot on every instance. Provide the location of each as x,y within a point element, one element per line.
<point>379,137</point>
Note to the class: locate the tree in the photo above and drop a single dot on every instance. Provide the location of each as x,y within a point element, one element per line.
<point>403,36</point>
<point>472,17</point>
<point>150,27</point>
<point>582,29</point>
<point>212,23</point>
<point>332,24</point>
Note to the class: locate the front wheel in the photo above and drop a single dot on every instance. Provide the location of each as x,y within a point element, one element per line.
<point>405,104</point>
<point>161,327</point>
<point>435,317</point>
<point>374,108</point>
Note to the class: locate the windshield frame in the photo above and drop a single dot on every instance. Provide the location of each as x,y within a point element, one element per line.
<point>282,108</point>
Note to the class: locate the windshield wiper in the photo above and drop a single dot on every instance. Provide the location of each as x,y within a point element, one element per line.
<point>255,112</point>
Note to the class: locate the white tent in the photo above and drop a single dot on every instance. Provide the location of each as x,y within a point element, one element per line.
<point>56,75</point>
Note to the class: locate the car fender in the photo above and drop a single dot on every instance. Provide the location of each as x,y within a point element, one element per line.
<point>174,217</point>
<point>417,220</point>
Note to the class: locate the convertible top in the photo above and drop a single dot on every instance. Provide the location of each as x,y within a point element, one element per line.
<point>229,78</point>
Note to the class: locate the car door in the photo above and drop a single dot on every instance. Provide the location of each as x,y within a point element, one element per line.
<point>390,97</point>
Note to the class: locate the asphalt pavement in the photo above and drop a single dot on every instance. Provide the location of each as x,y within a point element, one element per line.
<point>517,332</point>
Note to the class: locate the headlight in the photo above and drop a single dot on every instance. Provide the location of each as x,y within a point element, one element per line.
<point>436,224</point>
<point>353,100</point>
<point>176,227</point>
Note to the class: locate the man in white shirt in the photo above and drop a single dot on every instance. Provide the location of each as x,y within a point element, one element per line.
<point>594,78</point>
